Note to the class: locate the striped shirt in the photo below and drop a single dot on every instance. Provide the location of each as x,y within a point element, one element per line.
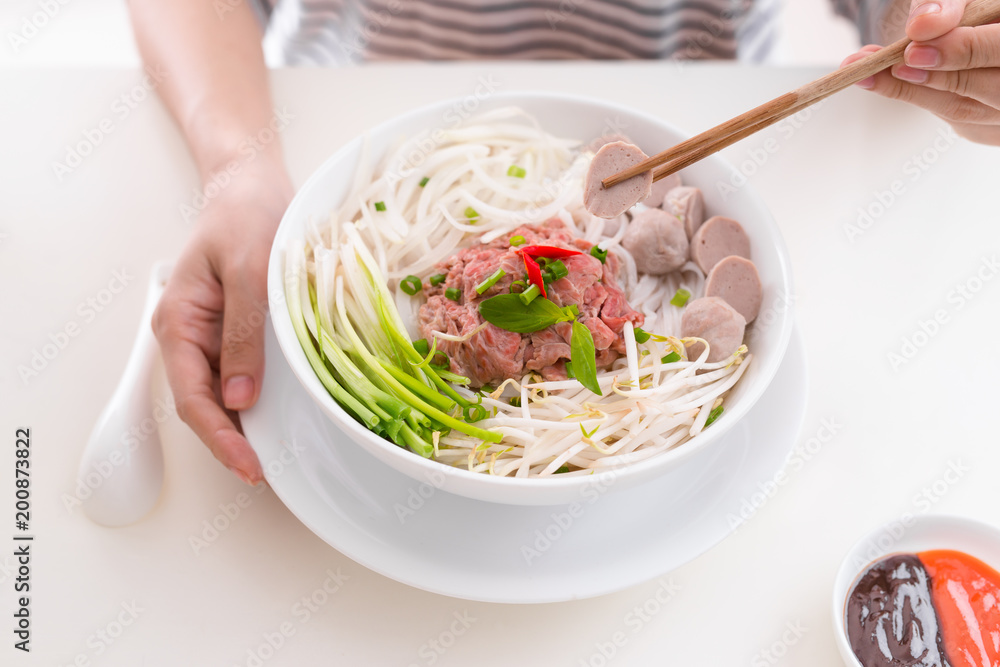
<point>337,32</point>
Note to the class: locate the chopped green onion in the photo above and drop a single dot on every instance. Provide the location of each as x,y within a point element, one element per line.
<point>423,349</point>
<point>452,377</point>
<point>515,401</point>
<point>572,310</point>
<point>380,206</point>
<point>453,293</point>
<point>520,284</point>
<point>518,240</point>
<point>528,295</point>
<point>423,181</point>
<point>680,298</point>
<point>516,171</point>
<point>599,254</point>
<point>670,358</point>
<point>712,416</point>
<point>561,469</point>
<point>547,276</point>
<point>437,279</point>
<point>641,336</point>
<point>558,269</point>
<point>474,413</point>
<point>411,285</point>
<point>471,214</point>
<point>569,370</point>
<point>491,281</point>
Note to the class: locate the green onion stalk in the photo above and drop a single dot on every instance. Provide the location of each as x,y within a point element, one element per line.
<point>362,354</point>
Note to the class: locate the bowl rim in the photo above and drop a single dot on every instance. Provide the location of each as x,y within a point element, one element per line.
<point>281,319</point>
<point>847,572</point>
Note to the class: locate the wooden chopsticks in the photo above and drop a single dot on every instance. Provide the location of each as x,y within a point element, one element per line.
<point>686,153</point>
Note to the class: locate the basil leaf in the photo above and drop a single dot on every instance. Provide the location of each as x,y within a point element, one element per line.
<point>582,353</point>
<point>508,312</point>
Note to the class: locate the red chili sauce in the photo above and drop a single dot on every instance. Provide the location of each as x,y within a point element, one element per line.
<point>966,595</point>
<point>932,609</point>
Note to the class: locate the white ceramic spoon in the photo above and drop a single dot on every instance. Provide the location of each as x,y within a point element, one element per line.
<point>121,472</point>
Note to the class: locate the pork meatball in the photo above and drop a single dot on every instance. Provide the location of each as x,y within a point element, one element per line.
<point>736,280</point>
<point>718,323</point>
<point>717,239</point>
<point>611,159</point>
<point>660,189</point>
<point>657,242</point>
<point>688,204</point>
<point>605,139</point>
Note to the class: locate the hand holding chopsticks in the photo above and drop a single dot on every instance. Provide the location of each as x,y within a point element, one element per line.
<point>977,13</point>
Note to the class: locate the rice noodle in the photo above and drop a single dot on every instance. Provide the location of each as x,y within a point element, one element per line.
<point>647,406</point>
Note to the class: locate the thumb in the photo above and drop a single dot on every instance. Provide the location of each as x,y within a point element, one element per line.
<point>241,362</point>
<point>929,19</point>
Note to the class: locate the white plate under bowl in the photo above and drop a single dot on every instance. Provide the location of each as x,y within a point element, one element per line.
<point>444,543</point>
<point>923,533</point>
<point>568,116</point>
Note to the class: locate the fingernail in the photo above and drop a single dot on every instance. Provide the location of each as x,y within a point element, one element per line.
<point>922,56</point>
<point>239,392</point>
<point>926,8</point>
<point>867,84</point>
<point>910,74</point>
<point>245,478</point>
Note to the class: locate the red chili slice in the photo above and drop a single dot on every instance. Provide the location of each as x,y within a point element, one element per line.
<point>548,251</point>
<point>534,271</point>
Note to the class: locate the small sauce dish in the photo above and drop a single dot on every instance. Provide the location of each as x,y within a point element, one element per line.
<point>912,536</point>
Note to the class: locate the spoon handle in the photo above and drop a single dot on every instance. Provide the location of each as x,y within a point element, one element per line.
<point>121,471</point>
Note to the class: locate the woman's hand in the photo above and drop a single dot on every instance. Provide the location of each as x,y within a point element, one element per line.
<point>952,71</point>
<point>210,320</point>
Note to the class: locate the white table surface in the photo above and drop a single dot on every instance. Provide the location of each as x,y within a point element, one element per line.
<point>897,431</point>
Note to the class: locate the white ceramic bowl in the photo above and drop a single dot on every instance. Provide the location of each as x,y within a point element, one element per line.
<point>567,116</point>
<point>934,531</point>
